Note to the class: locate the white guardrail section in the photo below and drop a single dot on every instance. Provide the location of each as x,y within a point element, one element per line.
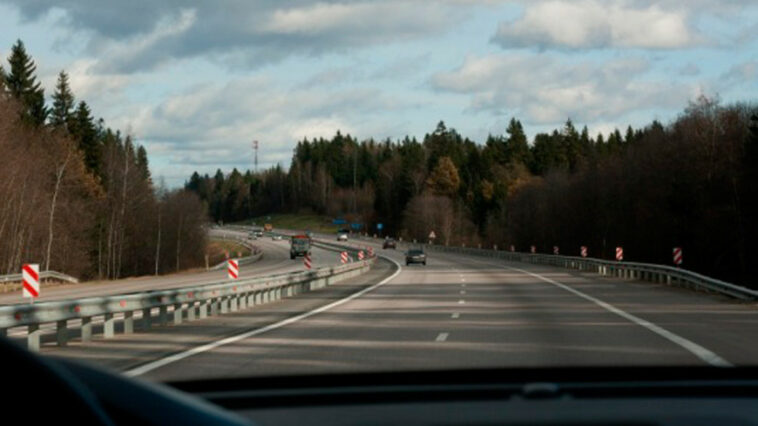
<point>44,275</point>
<point>660,274</point>
<point>188,303</point>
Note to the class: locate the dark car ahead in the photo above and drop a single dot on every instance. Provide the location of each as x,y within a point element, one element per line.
<point>389,243</point>
<point>415,256</point>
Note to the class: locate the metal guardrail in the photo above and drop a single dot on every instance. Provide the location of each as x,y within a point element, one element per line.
<point>44,275</point>
<point>188,303</point>
<point>661,274</point>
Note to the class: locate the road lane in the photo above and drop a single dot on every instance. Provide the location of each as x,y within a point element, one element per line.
<point>507,319</point>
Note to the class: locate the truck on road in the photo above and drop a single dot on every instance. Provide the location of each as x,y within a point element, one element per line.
<point>300,245</point>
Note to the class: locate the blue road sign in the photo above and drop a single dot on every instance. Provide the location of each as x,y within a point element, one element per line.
<point>339,221</point>
<point>379,226</point>
<point>356,225</point>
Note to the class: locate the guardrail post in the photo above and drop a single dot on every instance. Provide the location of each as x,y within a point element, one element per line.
<point>86,329</point>
<point>178,313</point>
<point>147,321</point>
<point>163,315</point>
<point>33,336</point>
<point>243,301</point>
<point>233,303</point>
<point>61,332</point>
<point>108,326</point>
<point>224,305</point>
<point>128,322</point>
<point>203,309</point>
<point>191,310</point>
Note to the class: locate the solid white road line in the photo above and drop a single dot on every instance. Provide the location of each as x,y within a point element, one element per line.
<point>455,315</point>
<point>461,302</point>
<point>213,345</point>
<point>699,351</point>
<point>441,337</point>
<point>463,291</point>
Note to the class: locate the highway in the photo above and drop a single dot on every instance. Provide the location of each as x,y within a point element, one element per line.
<point>457,312</point>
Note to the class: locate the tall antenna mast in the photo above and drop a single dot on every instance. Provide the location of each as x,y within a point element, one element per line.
<point>255,148</point>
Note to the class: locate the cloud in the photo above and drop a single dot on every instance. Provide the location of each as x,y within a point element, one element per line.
<point>569,24</point>
<point>746,72</point>
<point>212,125</point>
<point>140,35</point>
<point>544,90</point>
<point>690,69</point>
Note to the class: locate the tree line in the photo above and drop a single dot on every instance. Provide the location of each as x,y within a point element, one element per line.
<point>690,183</point>
<point>78,196</point>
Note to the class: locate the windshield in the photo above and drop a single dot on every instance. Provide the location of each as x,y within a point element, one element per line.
<point>563,183</point>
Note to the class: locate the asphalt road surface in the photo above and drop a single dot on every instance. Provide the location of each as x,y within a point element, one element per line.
<point>457,312</point>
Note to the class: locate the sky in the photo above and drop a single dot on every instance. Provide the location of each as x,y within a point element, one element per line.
<point>196,82</point>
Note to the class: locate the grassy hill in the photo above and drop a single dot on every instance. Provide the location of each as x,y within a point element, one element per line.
<point>313,223</point>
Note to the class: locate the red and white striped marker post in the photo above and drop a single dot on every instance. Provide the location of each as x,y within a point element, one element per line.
<point>678,256</point>
<point>307,261</point>
<point>583,251</point>
<point>343,257</point>
<point>619,253</point>
<point>370,252</point>
<point>360,255</point>
<point>533,249</point>
<point>232,269</point>
<point>30,278</point>
<point>556,250</point>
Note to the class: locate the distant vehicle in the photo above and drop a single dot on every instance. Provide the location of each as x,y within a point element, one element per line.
<point>389,243</point>
<point>276,237</point>
<point>342,237</point>
<point>415,256</point>
<point>300,245</point>
<point>252,235</point>
<point>268,227</point>
<point>259,234</point>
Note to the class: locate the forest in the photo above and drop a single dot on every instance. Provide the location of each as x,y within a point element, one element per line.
<point>691,183</point>
<point>78,196</point>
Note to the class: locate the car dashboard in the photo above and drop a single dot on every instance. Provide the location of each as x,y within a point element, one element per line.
<point>602,396</point>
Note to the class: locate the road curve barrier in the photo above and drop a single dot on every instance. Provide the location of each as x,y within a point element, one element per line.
<point>172,306</point>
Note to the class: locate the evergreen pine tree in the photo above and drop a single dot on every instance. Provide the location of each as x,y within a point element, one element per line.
<point>518,147</point>
<point>63,103</point>
<point>22,84</point>
<point>84,131</point>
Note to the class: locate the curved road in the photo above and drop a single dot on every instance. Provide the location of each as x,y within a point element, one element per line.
<point>457,312</point>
